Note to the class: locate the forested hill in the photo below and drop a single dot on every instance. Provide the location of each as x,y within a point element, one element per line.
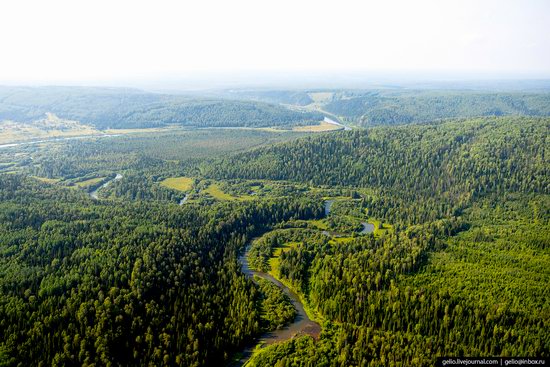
<point>380,107</point>
<point>128,108</point>
<point>440,167</point>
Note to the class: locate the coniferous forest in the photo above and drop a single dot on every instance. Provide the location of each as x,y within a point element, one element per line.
<point>204,247</point>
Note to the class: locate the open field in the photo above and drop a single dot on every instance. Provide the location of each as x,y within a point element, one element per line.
<point>53,127</point>
<point>217,193</point>
<point>49,128</point>
<point>89,182</point>
<point>379,227</point>
<point>274,260</point>
<point>323,126</point>
<point>178,183</point>
<point>319,223</point>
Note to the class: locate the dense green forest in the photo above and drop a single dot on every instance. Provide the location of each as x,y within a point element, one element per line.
<point>140,152</point>
<point>381,107</point>
<point>127,108</point>
<point>131,283</point>
<point>420,173</point>
<point>457,264</point>
<point>464,273</point>
<point>402,298</point>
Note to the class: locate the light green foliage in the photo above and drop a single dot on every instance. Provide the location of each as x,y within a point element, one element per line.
<point>178,183</point>
<point>275,306</point>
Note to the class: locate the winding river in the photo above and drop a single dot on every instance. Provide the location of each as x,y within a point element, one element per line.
<point>94,194</point>
<point>333,122</point>
<point>302,324</point>
<point>184,200</point>
<point>367,227</point>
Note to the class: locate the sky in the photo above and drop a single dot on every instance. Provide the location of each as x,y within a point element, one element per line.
<point>74,41</point>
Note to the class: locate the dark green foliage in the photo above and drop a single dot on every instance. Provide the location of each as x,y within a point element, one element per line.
<point>154,153</point>
<point>262,248</point>
<point>391,303</point>
<point>140,187</point>
<point>464,273</point>
<point>343,224</point>
<point>355,208</point>
<point>125,283</point>
<point>299,352</point>
<point>422,173</point>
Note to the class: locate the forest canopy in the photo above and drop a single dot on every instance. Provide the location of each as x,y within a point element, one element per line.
<point>147,273</point>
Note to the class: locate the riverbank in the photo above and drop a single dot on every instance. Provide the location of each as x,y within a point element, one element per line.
<point>302,324</point>
<point>94,194</point>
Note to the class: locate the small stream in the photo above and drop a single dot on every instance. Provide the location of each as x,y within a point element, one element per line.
<point>184,200</point>
<point>331,121</point>
<point>328,206</point>
<point>367,227</point>
<point>302,324</point>
<point>94,194</point>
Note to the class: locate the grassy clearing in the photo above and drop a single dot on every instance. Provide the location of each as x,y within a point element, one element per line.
<point>178,183</point>
<point>49,127</point>
<point>318,190</point>
<point>274,260</point>
<point>379,227</point>
<point>323,126</point>
<point>341,240</point>
<point>90,182</point>
<point>216,192</point>
<point>319,223</point>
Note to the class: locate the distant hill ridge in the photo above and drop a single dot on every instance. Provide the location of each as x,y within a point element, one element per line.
<point>130,108</point>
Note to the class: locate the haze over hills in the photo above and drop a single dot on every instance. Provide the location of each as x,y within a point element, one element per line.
<point>118,108</point>
<point>303,183</point>
<point>129,108</point>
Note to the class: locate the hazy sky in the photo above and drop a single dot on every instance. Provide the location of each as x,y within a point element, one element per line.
<point>63,41</point>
